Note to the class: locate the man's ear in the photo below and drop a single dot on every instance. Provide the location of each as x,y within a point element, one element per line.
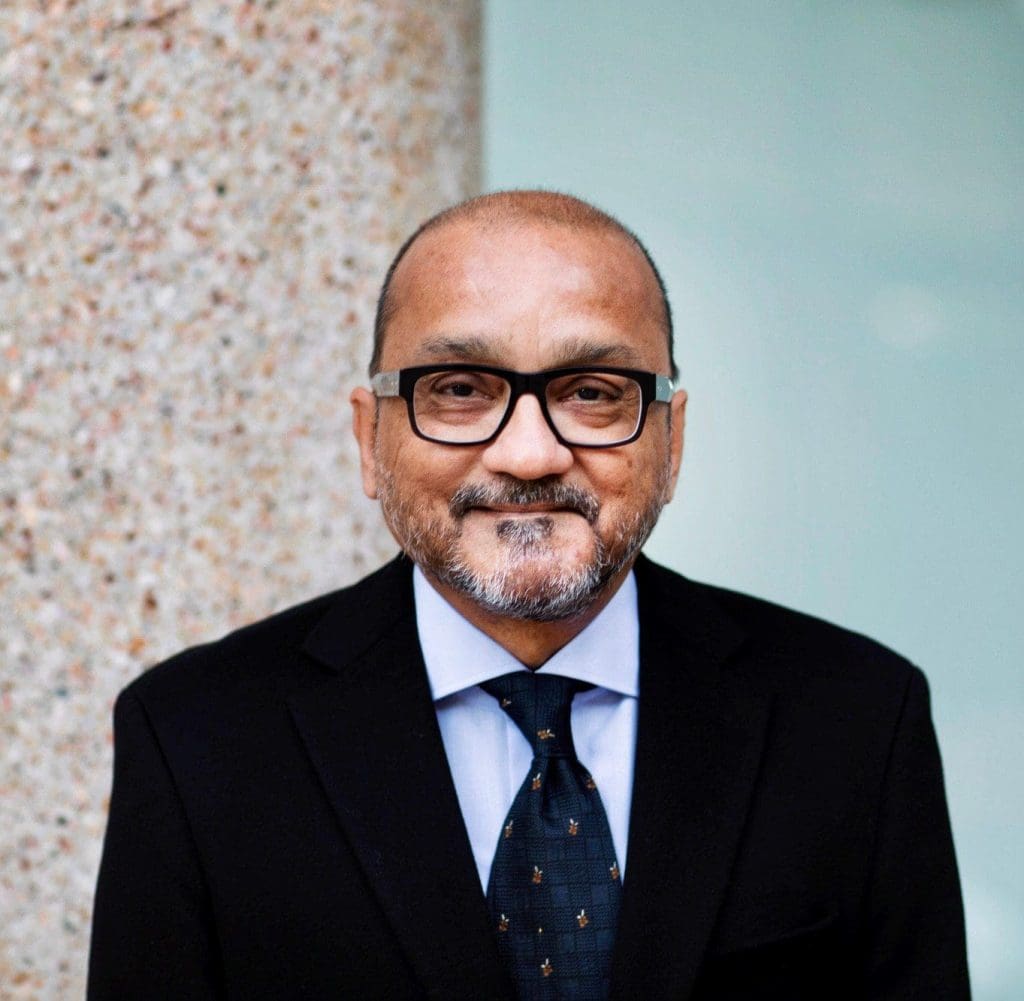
<point>678,427</point>
<point>364,427</point>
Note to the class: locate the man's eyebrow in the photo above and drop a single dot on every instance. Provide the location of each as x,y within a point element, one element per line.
<point>584,351</point>
<point>570,352</point>
<point>466,348</point>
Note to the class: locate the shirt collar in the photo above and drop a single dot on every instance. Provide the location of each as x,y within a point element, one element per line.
<point>458,655</point>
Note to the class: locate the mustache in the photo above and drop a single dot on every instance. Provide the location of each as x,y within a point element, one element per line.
<point>555,494</point>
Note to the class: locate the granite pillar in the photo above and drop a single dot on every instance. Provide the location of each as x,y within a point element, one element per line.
<point>197,204</point>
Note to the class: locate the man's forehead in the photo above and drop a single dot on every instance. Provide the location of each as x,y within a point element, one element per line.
<point>524,294</point>
<point>462,260</point>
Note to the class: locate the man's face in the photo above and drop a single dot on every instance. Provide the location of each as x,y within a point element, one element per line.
<point>524,526</point>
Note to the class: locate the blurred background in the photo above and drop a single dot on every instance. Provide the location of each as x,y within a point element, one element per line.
<point>834,192</point>
<point>197,204</point>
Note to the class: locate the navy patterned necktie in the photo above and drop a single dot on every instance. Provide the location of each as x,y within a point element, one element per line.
<point>555,887</point>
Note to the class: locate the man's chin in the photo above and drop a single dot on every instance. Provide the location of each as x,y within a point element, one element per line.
<point>536,587</point>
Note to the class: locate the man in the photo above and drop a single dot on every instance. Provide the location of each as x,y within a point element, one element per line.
<point>521,760</point>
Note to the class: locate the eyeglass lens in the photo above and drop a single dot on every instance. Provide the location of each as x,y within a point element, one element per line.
<point>586,408</point>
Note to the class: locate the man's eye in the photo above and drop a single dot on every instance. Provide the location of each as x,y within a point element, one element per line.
<point>456,389</point>
<point>461,389</point>
<point>591,392</point>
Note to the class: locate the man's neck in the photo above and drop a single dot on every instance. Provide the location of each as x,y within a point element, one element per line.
<point>531,642</point>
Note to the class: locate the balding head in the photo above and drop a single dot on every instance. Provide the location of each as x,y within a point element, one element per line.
<point>509,209</point>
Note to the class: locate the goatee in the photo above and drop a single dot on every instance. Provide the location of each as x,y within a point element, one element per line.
<point>530,580</point>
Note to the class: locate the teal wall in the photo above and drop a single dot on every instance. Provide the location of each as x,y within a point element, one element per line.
<point>835,193</point>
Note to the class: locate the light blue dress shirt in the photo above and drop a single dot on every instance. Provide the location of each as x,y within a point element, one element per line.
<point>488,755</point>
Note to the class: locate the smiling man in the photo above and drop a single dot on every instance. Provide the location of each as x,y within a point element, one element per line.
<point>522,761</point>
<point>524,505</point>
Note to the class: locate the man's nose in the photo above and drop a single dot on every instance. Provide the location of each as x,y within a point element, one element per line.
<point>527,448</point>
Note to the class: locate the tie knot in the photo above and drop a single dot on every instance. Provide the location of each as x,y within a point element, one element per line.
<point>539,704</point>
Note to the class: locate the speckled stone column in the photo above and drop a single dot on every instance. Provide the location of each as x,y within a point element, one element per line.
<point>197,204</point>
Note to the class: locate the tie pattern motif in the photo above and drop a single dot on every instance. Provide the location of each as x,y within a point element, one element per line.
<point>555,887</point>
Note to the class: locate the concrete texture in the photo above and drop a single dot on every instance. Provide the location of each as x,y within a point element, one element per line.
<point>197,204</point>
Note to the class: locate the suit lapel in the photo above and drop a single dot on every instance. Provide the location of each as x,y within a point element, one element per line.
<point>699,741</point>
<point>372,734</point>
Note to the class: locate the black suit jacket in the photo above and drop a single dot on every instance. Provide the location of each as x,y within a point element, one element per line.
<point>283,822</point>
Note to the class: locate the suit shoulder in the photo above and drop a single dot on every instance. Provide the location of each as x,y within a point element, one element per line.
<point>789,628</point>
<point>263,655</point>
<point>785,639</point>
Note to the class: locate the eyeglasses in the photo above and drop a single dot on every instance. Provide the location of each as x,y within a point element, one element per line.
<point>471,404</point>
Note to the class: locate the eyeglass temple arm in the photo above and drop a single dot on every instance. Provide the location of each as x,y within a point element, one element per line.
<point>663,388</point>
<point>385,383</point>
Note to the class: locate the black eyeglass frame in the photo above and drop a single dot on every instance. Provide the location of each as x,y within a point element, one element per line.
<point>654,388</point>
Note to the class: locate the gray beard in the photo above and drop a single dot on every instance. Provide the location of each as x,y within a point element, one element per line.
<point>563,593</point>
